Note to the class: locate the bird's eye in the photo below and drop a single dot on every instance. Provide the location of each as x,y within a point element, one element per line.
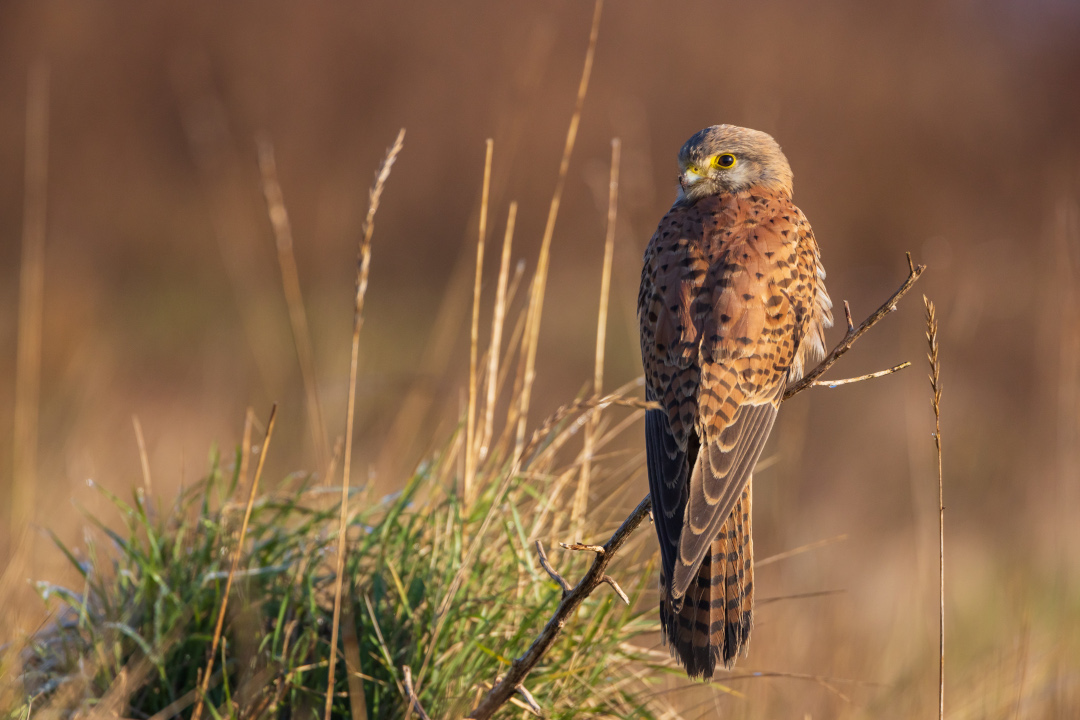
<point>726,161</point>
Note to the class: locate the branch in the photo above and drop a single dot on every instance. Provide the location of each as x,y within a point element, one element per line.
<point>530,701</point>
<point>615,586</point>
<point>598,549</point>
<point>508,685</point>
<point>854,333</point>
<point>566,587</point>
<point>869,376</point>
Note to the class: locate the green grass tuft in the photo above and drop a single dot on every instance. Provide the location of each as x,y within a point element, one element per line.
<point>134,639</point>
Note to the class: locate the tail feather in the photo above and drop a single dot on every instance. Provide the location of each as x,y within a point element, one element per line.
<point>713,621</point>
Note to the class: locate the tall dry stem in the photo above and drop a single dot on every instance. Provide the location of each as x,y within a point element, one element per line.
<point>237,552</point>
<point>144,459</point>
<point>27,359</point>
<point>225,184</point>
<point>396,452</point>
<point>362,267</point>
<point>31,301</point>
<point>294,298</point>
<point>245,444</point>
<point>581,497</point>
<point>536,303</point>
<point>935,401</point>
<point>474,334</point>
<point>498,320</point>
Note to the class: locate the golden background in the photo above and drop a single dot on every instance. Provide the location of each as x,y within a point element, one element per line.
<point>947,129</point>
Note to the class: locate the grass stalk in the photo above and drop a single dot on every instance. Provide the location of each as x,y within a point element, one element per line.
<point>536,305</point>
<point>144,459</point>
<point>498,320</point>
<point>237,552</point>
<point>245,444</point>
<point>294,298</point>
<point>224,183</point>
<point>581,497</point>
<point>31,301</point>
<point>935,401</point>
<point>469,478</point>
<point>353,668</point>
<point>397,452</point>
<point>27,358</point>
<point>362,270</point>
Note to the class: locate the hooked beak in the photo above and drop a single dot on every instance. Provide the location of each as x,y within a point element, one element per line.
<point>690,178</point>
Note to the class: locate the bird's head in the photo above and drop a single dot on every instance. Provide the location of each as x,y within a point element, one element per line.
<point>726,158</point>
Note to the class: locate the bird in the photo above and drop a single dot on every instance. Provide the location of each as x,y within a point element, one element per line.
<point>732,310</point>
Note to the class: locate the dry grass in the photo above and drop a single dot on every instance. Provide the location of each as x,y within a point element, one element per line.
<point>935,402</point>
<point>363,270</point>
<point>581,497</point>
<point>471,449</point>
<point>294,299</point>
<point>132,256</point>
<point>237,553</point>
<point>418,598</point>
<point>536,304</point>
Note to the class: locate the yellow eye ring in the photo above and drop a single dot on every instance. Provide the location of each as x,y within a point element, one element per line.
<point>724,161</point>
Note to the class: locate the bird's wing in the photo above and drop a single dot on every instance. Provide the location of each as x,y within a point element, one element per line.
<point>750,301</point>
<point>671,280</point>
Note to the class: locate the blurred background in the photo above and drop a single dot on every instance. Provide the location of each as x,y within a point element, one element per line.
<point>949,129</point>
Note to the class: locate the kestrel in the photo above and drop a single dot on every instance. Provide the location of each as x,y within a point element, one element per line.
<point>732,309</point>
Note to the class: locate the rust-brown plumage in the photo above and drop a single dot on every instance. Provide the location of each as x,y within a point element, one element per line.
<point>732,309</point>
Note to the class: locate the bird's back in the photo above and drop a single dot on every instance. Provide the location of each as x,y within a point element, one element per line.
<point>732,308</point>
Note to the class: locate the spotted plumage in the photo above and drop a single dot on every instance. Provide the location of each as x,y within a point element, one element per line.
<point>732,310</point>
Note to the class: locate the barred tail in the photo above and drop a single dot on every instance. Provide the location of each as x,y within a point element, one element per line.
<point>716,615</point>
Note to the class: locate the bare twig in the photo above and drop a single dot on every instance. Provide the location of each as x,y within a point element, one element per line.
<point>870,376</point>
<point>615,586</point>
<point>294,298</point>
<point>412,693</point>
<point>935,401</point>
<point>854,333</point>
<point>508,685</point>
<point>546,564</point>
<point>237,552</point>
<point>501,693</point>
<point>362,268</point>
<point>530,701</point>
<point>598,549</point>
